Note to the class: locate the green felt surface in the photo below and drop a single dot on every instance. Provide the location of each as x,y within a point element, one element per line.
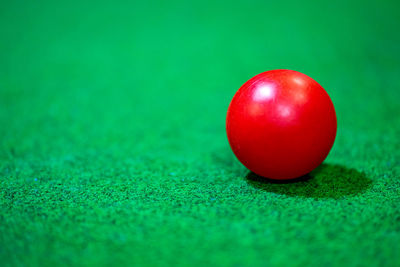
<point>112,134</point>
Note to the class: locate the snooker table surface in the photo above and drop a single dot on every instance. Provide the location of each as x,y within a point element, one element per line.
<point>113,148</point>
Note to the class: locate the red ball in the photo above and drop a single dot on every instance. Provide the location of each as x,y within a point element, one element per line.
<point>281,124</point>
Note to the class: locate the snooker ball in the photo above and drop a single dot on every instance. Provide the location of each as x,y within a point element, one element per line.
<point>281,124</point>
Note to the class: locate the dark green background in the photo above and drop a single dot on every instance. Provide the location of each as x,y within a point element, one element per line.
<point>113,146</point>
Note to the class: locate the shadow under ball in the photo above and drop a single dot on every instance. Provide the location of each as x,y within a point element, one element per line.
<point>281,124</point>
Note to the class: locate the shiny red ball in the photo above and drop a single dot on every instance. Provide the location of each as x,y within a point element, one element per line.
<point>281,124</point>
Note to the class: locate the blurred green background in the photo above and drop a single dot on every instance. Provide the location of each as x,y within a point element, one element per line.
<point>112,134</point>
